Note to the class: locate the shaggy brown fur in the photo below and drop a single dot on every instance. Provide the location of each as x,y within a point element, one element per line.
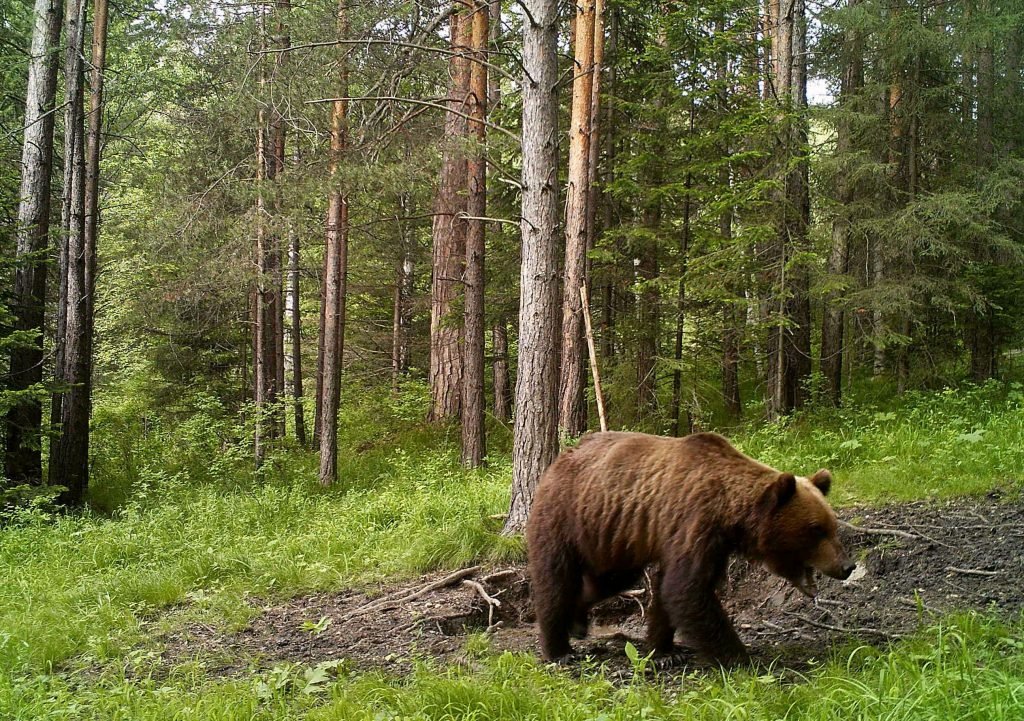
<point>620,501</point>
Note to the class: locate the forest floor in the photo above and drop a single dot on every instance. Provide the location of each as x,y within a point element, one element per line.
<point>916,562</point>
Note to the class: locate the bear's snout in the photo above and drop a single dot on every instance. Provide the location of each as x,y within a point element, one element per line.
<point>847,570</point>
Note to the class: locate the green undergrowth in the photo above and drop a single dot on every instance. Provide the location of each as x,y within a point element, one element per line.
<point>882,447</point>
<point>180,519</point>
<point>966,668</point>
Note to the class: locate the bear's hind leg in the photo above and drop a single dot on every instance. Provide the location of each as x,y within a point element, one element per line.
<point>556,580</point>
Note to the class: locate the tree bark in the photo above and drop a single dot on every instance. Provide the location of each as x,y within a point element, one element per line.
<point>790,338</point>
<point>473,434</point>
<point>73,196</point>
<point>264,345</point>
<point>535,437</point>
<point>732,318</point>
<point>502,386</point>
<point>401,311</point>
<point>71,454</point>
<point>984,348</point>
<point>22,459</point>
<point>571,409</point>
<point>332,341</point>
<point>294,313</point>
<point>449,235</point>
<point>833,320</point>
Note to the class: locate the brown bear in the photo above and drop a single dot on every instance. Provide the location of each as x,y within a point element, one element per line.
<point>619,501</point>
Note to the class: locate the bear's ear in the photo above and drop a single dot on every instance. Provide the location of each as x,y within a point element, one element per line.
<point>822,480</point>
<point>781,491</point>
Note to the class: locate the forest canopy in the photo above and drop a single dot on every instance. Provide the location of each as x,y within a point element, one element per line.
<point>272,207</point>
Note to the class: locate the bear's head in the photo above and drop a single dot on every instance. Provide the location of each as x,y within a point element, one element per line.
<point>798,532</point>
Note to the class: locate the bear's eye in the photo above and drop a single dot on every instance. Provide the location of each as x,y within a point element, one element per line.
<point>817,530</point>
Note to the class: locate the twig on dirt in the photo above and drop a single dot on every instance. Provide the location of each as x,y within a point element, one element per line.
<point>492,602</point>
<point>973,571</point>
<point>492,577</point>
<point>929,538</point>
<point>842,629</point>
<point>386,604</point>
<point>436,618</point>
<point>494,627</point>
<point>879,531</point>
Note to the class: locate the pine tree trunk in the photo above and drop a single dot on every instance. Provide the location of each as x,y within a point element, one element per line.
<point>502,385</point>
<point>22,460</point>
<point>332,342</point>
<point>684,253</point>
<point>402,296</point>
<point>473,435</point>
<point>833,320</point>
<point>73,196</point>
<point>72,449</point>
<point>984,348</point>
<point>295,334</point>
<point>535,437</point>
<point>732,319</point>
<point>572,412</point>
<point>789,344</point>
<point>449,236</point>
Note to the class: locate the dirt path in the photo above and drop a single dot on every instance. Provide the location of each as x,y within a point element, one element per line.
<point>916,561</point>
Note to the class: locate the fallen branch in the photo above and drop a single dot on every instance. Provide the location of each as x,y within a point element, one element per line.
<point>492,577</point>
<point>879,531</point>
<point>492,602</point>
<point>973,571</point>
<point>841,629</point>
<point>386,604</point>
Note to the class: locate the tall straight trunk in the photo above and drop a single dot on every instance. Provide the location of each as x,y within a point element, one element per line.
<point>332,341</point>
<point>22,458</point>
<point>72,448</point>
<point>535,426</point>
<point>571,409</point>
<point>684,253</point>
<point>73,196</point>
<point>984,347</point>
<point>295,334</point>
<point>502,389</point>
<point>402,312</point>
<point>282,12</point>
<point>473,435</point>
<point>608,292</point>
<point>732,318</point>
<point>833,320</point>
<point>318,411</point>
<point>646,268</point>
<point>449,235</point>
<point>263,346</point>
<point>790,338</point>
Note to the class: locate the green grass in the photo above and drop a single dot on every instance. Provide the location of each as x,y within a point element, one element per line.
<point>880,447</point>
<point>966,668</point>
<point>185,521</point>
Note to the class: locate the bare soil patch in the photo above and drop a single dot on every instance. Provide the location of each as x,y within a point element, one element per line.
<point>916,561</point>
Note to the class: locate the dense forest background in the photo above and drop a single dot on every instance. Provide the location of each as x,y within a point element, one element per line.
<point>767,202</point>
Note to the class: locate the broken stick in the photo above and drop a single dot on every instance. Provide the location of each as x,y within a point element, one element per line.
<point>593,358</point>
<point>386,604</point>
